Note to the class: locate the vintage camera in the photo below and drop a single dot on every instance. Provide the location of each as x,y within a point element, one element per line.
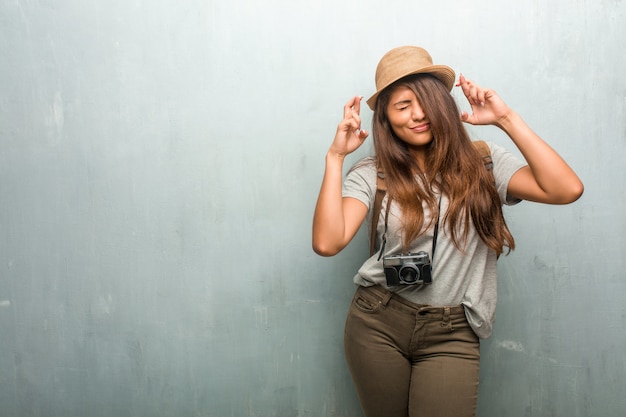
<point>408,269</point>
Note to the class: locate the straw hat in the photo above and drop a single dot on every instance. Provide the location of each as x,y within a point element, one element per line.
<point>407,60</point>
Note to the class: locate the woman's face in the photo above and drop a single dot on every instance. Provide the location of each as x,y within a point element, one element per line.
<point>407,119</point>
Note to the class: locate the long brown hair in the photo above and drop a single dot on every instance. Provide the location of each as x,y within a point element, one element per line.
<point>452,167</point>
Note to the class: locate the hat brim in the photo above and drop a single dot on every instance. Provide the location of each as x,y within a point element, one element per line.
<point>444,73</point>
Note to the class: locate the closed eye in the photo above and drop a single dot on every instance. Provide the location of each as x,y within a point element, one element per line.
<point>402,105</point>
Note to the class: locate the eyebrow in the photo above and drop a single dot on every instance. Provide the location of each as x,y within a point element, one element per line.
<point>401,102</point>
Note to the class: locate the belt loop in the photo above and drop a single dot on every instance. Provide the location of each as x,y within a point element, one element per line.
<point>387,297</point>
<point>446,322</point>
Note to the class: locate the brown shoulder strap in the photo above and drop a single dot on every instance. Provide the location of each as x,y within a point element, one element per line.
<point>485,154</point>
<point>381,188</point>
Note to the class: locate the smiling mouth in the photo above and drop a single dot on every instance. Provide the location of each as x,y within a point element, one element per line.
<point>421,128</point>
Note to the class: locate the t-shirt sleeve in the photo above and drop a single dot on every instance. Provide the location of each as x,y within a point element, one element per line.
<point>505,164</point>
<point>360,183</point>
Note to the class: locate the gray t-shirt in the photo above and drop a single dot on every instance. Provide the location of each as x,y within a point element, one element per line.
<point>467,277</point>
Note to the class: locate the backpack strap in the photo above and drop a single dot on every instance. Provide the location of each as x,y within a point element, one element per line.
<point>485,154</point>
<point>381,189</point>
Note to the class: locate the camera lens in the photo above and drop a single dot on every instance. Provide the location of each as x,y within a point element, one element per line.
<point>409,273</point>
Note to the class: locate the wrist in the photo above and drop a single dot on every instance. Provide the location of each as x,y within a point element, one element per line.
<point>334,157</point>
<point>508,121</point>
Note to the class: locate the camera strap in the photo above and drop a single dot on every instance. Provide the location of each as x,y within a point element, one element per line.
<point>435,232</point>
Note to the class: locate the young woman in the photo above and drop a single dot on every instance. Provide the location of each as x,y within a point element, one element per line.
<point>428,293</point>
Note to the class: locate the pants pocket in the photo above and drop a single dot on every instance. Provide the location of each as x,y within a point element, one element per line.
<point>366,303</point>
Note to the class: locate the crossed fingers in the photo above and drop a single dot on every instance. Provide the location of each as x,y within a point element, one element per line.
<point>475,94</point>
<point>352,113</point>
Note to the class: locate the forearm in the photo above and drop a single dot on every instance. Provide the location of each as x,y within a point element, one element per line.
<point>551,173</point>
<point>328,220</point>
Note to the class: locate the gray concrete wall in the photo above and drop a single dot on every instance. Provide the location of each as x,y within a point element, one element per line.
<point>159,164</point>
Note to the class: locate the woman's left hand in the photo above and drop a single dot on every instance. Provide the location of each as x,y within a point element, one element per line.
<point>547,178</point>
<point>487,107</point>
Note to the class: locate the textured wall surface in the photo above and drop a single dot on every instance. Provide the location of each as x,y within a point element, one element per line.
<point>159,164</point>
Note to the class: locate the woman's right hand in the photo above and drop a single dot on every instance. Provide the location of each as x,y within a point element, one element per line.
<point>337,220</point>
<point>349,134</point>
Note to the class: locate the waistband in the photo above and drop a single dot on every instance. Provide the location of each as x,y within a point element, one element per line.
<point>388,297</point>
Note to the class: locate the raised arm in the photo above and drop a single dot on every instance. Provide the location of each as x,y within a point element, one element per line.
<point>547,178</point>
<point>337,219</point>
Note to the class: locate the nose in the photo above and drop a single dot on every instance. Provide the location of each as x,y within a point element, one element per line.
<point>417,113</point>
